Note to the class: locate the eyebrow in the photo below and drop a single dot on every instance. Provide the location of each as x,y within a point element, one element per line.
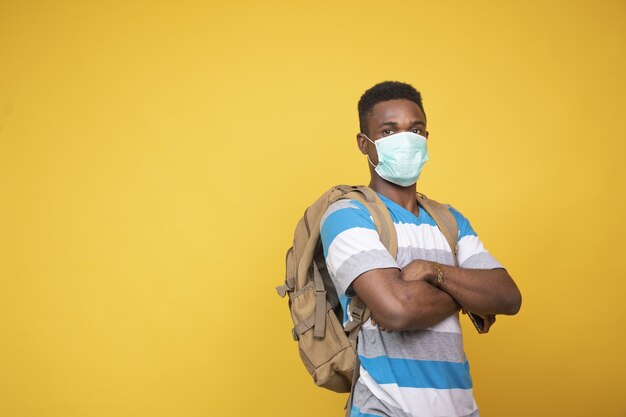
<point>394,124</point>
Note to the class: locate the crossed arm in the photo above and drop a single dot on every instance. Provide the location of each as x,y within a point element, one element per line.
<point>408,300</point>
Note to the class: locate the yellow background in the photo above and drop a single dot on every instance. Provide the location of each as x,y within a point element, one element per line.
<point>155,157</point>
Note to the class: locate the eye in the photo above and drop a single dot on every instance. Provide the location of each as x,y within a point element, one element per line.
<point>388,132</point>
<point>418,131</point>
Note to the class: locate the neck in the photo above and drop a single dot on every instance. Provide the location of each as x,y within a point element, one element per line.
<point>403,196</point>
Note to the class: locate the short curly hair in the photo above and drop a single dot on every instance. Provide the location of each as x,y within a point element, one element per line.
<point>387,90</point>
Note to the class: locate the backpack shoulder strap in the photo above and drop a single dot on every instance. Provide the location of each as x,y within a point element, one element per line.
<point>387,232</point>
<point>444,219</point>
<point>379,212</point>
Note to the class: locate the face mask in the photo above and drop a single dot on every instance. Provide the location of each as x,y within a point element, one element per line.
<point>401,157</point>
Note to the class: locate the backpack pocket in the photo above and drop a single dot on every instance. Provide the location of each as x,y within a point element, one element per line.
<point>329,359</point>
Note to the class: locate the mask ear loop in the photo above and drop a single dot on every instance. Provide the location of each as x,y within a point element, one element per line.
<point>368,156</point>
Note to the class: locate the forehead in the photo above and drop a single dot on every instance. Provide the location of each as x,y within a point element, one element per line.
<point>396,111</point>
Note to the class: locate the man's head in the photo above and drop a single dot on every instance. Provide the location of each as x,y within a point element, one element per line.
<point>393,109</point>
<point>385,91</point>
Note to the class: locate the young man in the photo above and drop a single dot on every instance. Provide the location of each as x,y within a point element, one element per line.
<point>411,351</point>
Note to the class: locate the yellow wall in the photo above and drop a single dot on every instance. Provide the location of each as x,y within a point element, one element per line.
<point>155,156</point>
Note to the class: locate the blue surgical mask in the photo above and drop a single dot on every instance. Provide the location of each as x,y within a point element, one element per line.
<point>401,157</point>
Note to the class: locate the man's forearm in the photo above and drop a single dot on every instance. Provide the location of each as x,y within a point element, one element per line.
<point>481,291</point>
<point>397,304</point>
<point>424,306</point>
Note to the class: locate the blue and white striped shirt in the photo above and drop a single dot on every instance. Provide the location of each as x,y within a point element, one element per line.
<point>421,373</point>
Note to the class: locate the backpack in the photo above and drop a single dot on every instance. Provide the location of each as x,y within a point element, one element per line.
<point>327,349</point>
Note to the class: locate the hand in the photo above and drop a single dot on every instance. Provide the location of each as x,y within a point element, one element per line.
<point>419,270</point>
<point>488,320</point>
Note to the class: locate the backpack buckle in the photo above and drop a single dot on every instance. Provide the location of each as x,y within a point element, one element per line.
<point>357,310</point>
<point>282,290</point>
<point>357,314</point>
<point>290,284</point>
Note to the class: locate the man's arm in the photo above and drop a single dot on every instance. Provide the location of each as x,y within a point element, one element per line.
<point>398,305</point>
<point>408,299</point>
<point>480,291</point>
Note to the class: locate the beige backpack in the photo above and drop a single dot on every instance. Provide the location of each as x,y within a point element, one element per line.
<point>326,348</point>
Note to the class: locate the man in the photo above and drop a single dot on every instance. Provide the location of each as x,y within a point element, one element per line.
<point>411,352</point>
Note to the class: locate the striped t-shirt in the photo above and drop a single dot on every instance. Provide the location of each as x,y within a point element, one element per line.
<point>421,373</point>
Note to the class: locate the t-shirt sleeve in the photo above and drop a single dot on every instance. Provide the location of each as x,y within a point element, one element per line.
<point>351,244</point>
<point>471,252</point>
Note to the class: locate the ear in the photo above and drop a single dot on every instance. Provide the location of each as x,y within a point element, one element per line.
<point>361,142</point>
<point>426,134</point>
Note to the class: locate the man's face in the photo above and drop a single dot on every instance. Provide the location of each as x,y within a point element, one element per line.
<point>390,117</point>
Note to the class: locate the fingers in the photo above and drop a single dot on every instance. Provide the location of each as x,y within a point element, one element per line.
<point>376,324</point>
<point>488,321</point>
<point>418,270</point>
